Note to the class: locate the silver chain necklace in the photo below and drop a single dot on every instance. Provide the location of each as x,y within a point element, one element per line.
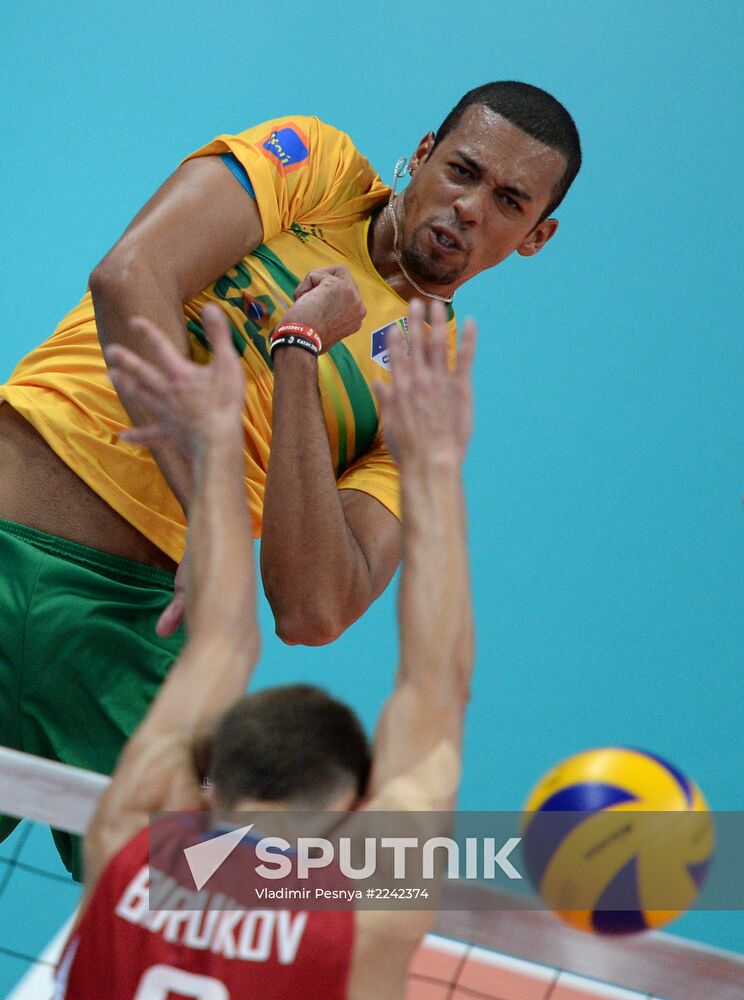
<point>397,174</point>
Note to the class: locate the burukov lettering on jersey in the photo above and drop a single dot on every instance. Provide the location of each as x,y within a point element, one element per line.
<point>210,922</point>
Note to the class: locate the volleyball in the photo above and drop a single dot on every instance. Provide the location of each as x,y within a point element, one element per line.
<point>631,832</point>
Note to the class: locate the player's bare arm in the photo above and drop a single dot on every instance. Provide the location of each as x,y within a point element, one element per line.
<point>426,412</point>
<point>195,410</point>
<point>326,553</point>
<point>191,232</point>
<point>427,415</point>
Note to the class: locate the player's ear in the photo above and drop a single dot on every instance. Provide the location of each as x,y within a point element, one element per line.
<point>422,153</point>
<point>537,239</point>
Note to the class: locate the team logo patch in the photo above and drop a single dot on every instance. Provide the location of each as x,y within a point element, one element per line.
<point>287,148</point>
<point>380,342</point>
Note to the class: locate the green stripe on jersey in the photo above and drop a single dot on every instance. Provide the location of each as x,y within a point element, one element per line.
<point>278,270</point>
<point>362,403</point>
<point>239,341</point>
<point>193,327</point>
<point>327,381</point>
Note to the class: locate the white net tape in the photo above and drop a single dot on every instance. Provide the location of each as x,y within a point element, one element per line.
<point>48,792</point>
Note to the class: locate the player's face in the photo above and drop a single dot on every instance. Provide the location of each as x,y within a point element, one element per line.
<point>476,197</point>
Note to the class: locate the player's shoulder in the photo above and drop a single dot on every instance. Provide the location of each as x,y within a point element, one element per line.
<point>300,136</point>
<point>308,127</point>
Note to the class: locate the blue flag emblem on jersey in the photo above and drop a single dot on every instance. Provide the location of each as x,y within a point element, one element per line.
<point>380,342</point>
<point>288,146</point>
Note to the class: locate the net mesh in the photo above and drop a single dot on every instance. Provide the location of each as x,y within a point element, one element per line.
<point>37,897</point>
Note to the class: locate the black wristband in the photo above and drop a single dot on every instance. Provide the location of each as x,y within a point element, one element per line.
<point>294,340</point>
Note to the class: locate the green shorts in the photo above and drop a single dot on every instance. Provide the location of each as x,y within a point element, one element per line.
<point>79,658</point>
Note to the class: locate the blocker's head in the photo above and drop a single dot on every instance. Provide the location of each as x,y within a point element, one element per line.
<point>293,746</point>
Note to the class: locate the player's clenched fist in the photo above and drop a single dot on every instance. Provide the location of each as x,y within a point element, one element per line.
<point>329,301</point>
<point>427,408</point>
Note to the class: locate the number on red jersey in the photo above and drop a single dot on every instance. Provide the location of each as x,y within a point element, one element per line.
<point>161,980</point>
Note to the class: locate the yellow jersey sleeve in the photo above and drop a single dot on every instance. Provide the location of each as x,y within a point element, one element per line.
<point>302,171</point>
<point>376,474</point>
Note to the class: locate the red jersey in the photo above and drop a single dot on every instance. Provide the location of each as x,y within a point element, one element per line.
<point>123,950</point>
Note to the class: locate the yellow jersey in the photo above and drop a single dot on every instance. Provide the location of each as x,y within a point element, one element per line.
<point>316,195</point>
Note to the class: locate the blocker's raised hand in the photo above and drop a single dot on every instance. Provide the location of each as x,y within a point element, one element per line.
<point>427,407</point>
<point>183,403</point>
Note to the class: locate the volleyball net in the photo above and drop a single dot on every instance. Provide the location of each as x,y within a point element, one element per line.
<point>37,896</point>
<point>474,954</point>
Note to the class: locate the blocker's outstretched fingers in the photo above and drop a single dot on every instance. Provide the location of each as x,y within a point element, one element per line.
<point>172,617</point>
<point>130,387</point>
<point>396,350</point>
<point>437,355</point>
<point>143,435</point>
<point>218,332</point>
<point>399,364</point>
<point>124,383</point>
<point>140,376</point>
<point>416,332</point>
<point>429,347</point>
<point>466,351</point>
<point>384,393</point>
<point>225,366</point>
<point>164,352</point>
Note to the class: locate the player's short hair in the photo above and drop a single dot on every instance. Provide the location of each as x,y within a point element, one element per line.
<point>537,113</point>
<point>292,744</point>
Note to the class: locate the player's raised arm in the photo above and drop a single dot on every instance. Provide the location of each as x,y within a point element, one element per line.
<point>427,416</point>
<point>195,410</point>
<point>191,231</point>
<point>326,553</point>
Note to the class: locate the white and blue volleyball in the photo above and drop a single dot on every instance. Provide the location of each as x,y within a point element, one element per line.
<point>599,865</point>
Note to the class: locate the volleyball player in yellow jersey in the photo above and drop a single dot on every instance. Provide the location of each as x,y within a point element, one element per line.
<point>286,221</point>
